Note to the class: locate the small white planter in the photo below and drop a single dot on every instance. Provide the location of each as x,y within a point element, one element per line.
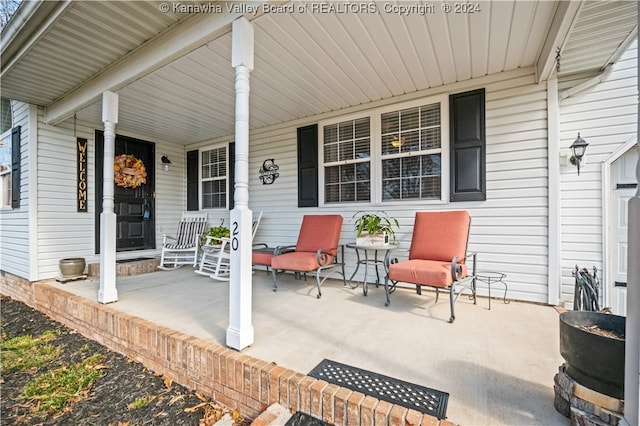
<point>376,239</point>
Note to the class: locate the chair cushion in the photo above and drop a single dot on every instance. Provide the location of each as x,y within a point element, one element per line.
<point>297,261</point>
<point>440,235</point>
<point>262,256</point>
<point>424,272</point>
<point>319,231</point>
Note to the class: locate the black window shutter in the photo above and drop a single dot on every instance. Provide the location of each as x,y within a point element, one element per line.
<point>308,166</point>
<point>232,174</point>
<point>15,167</point>
<point>192,180</point>
<point>468,146</point>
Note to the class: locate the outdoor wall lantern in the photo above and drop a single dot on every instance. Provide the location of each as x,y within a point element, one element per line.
<point>578,147</point>
<point>165,161</point>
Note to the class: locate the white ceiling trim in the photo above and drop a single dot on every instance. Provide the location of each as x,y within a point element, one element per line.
<point>19,40</point>
<point>164,49</point>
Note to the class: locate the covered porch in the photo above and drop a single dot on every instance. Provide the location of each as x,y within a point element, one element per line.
<point>497,365</point>
<point>175,87</point>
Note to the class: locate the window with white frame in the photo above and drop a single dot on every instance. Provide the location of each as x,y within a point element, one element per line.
<point>391,154</point>
<point>5,169</point>
<point>347,158</point>
<point>214,175</point>
<point>411,153</point>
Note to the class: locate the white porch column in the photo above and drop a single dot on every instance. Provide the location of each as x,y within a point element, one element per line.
<point>632,328</point>
<point>240,330</point>
<point>108,292</point>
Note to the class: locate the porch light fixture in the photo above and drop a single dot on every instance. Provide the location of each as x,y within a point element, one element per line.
<point>165,161</point>
<point>397,142</point>
<point>578,147</point>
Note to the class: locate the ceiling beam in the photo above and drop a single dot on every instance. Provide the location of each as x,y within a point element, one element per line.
<point>170,45</point>
<point>562,23</point>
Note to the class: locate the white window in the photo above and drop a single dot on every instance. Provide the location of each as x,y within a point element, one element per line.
<point>5,169</point>
<point>412,153</point>
<point>347,159</point>
<point>214,175</point>
<point>391,154</point>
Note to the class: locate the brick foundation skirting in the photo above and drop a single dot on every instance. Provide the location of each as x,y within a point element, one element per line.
<point>225,375</point>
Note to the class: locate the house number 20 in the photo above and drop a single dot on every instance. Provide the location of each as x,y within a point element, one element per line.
<point>234,240</point>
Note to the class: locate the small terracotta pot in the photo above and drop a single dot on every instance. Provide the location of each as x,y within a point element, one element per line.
<point>72,266</point>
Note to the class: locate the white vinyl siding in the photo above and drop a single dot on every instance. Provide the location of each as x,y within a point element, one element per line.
<point>62,231</point>
<point>509,229</point>
<point>606,116</point>
<point>14,223</point>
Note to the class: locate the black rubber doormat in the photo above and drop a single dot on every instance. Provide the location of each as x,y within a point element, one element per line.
<point>408,395</point>
<point>302,419</point>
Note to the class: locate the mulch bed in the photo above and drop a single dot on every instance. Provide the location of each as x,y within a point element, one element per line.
<point>108,400</point>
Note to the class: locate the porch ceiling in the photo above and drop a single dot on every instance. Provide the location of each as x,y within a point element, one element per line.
<point>305,63</point>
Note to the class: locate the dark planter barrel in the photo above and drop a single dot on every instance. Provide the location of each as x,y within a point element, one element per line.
<point>594,360</point>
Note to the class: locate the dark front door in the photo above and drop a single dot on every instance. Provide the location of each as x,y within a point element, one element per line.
<point>133,192</point>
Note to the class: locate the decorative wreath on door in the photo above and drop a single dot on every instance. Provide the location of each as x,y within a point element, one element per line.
<point>129,171</point>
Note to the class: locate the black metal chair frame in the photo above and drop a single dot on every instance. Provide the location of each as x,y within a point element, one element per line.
<point>322,256</point>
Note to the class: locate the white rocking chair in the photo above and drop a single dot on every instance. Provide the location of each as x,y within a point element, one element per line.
<point>216,258</point>
<point>183,248</point>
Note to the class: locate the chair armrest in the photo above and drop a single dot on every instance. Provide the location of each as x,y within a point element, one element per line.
<point>456,268</point>
<point>388,260</point>
<point>322,255</point>
<point>166,237</point>
<point>209,240</point>
<point>259,245</point>
<point>473,255</point>
<point>283,249</point>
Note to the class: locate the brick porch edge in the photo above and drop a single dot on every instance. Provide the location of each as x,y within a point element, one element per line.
<point>225,375</point>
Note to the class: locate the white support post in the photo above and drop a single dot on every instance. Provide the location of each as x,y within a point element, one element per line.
<point>632,327</point>
<point>108,292</point>
<point>240,332</point>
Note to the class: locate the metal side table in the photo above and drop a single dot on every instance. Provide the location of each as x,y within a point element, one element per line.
<point>366,261</point>
<point>490,278</point>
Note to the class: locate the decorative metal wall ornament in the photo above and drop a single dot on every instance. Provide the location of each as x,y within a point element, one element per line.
<point>269,172</point>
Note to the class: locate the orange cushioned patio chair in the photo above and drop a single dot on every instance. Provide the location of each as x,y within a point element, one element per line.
<point>437,257</point>
<point>316,250</point>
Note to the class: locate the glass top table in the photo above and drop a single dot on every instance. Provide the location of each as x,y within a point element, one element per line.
<point>362,253</point>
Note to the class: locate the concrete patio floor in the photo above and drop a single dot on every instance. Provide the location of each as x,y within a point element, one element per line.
<point>497,365</point>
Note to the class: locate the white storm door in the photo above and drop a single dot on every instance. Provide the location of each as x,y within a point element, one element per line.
<point>623,178</point>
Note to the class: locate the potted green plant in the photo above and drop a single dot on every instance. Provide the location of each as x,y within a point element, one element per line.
<point>375,228</point>
<point>215,232</point>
